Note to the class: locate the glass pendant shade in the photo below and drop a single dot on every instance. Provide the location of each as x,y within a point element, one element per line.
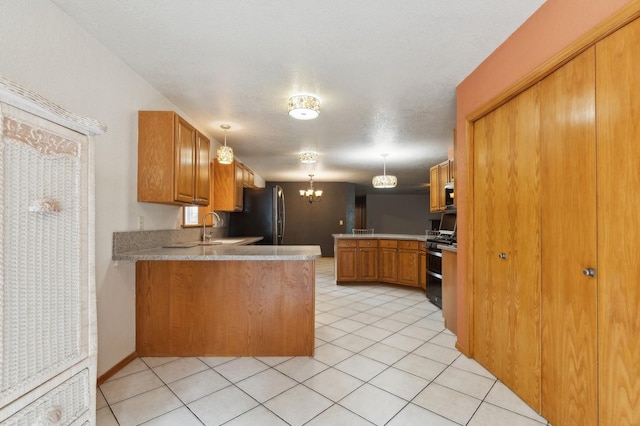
<point>225,153</point>
<point>304,107</point>
<point>308,157</point>
<point>384,180</point>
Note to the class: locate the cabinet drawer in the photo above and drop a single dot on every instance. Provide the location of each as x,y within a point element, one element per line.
<point>388,243</point>
<point>347,243</point>
<point>61,405</point>
<point>367,243</point>
<point>408,245</point>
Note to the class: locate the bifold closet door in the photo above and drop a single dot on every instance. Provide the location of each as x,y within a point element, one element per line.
<point>568,218</point>
<point>618,176</point>
<point>506,260</point>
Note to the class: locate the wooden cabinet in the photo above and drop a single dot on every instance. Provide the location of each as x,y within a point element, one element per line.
<point>422,278</point>
<point>247,177</point>
<point>228,186</point>
<point>173,160</point>
<point>356,260</point>
<point>408,263</point>
<point>367,260</point>
<point>439,176</point>
<point>506,244</point>
<point>48,349</point>
<point>346,260</point>
<point>449,293</point>
<point>388,261</point>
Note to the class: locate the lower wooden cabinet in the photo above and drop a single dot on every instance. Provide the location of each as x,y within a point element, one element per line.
<point>449,293</point>
<point>408,265</point>
<point>422,277</point>
<point>385,260</point>
<point>356,260</point>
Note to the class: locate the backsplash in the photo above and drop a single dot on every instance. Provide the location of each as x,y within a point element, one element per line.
<point>124,242</point>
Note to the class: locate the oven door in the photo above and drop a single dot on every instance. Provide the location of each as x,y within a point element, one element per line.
<point>434,276</point>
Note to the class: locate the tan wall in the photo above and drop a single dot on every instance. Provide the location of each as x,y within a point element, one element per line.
<point>556,25</point>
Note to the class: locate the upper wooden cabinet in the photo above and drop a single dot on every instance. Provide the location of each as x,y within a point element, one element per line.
<point>228,182</point>
<point>439,176</point>
<point>173,160</point>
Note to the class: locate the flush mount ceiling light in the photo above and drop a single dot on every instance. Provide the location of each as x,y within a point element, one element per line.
<point>304,107</point>
<point>308,157</point>
<point>225,153</point>
<point>384,180</point>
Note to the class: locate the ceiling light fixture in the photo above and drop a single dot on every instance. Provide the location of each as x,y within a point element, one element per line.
<point>384,180</point>
<point>304,107</point>
<point>308,157</point>
<point>225,153</point>
<point>310,193</point>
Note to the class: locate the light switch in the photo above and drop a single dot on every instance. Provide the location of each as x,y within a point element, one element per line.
<point>341,222</point>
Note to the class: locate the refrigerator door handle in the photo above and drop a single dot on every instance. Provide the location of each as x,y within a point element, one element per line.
<point>284,216</point>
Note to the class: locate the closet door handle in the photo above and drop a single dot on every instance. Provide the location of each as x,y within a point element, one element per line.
<point>502,256</point>
<point>589,272</point>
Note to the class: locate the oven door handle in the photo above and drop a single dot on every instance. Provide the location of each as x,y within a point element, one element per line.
<point>434,274</point>
<point>434,253</point>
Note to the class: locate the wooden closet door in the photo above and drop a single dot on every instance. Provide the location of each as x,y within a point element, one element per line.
<point>506,323</point>
<point>618,176</point>
<point>568,200</point>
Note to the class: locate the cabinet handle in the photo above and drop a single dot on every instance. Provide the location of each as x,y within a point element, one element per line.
<point>589,272</point>
<point>502,256</point>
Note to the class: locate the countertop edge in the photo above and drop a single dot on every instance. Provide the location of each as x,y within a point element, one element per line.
<point>415,237</point>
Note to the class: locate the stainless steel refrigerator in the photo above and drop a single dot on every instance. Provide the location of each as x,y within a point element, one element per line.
<point>263,215</point>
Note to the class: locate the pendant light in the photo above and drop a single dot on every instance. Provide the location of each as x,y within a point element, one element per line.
<point>225,153</point>
<point>384,180</point>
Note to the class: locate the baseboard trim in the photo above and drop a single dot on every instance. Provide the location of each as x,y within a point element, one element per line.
<point>113,370</point>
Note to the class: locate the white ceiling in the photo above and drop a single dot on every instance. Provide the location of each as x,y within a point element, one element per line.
<point>384,70</point>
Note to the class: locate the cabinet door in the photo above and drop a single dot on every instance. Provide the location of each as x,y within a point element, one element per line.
<point>367,260</point>
<point>185,155</point>
<point>202,179</point>
<point>449,293</point>
<point>408,267</point>
<point>568,218</point>
<point>443,178</point>
<point>433,189</point>
<point>506,326</point>
<point>422,278</point>
<point>618,204</point>
<point>346,266</point>
<point>239,187</point>
<point>224,184</point>
<point>388,260</point>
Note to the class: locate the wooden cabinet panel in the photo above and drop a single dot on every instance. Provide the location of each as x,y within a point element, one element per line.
<point>568,218</point>
<point>422,279</point>
<point>228,187</point>
<point>171,156</point>
<point>449,293</point>
<point>618,204</point>
<point>434,193</point>
<point>443,178</point>
<point>388,261</point>
<point>346,263</point>
<point>506,301</point>
<point>367,260</point>
<point>408,263</point>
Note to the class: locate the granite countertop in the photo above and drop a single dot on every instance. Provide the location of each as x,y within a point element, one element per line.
<point>383,236</point>
<point>230,249</point>
<point>448,247</point>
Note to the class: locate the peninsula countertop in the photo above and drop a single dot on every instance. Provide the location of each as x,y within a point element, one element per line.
<point>237,251</point>
<point>382,236</point>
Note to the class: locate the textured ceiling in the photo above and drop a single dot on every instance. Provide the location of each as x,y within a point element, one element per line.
<point>384,70</point>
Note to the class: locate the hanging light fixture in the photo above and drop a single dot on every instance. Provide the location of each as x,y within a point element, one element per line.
<point>384,180</point>
<point>308,157</point>
<point>310,193</point>
<point>304,107</point>
<point>225,153</point>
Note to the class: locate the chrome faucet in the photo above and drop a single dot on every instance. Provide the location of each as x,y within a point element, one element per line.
<point>216,222</point>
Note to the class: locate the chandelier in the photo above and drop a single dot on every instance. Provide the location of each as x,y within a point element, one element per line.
<point>304,107</point>
<point>384,180</point>
<point>225,153</point>
<point>310,193</point>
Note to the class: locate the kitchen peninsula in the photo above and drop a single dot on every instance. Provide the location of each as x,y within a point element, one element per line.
<point>225,300</point>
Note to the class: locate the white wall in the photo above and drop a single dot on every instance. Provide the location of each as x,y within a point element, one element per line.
<point>42,49</point>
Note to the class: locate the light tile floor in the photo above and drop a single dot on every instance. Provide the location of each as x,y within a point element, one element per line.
<point>382,357</point>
